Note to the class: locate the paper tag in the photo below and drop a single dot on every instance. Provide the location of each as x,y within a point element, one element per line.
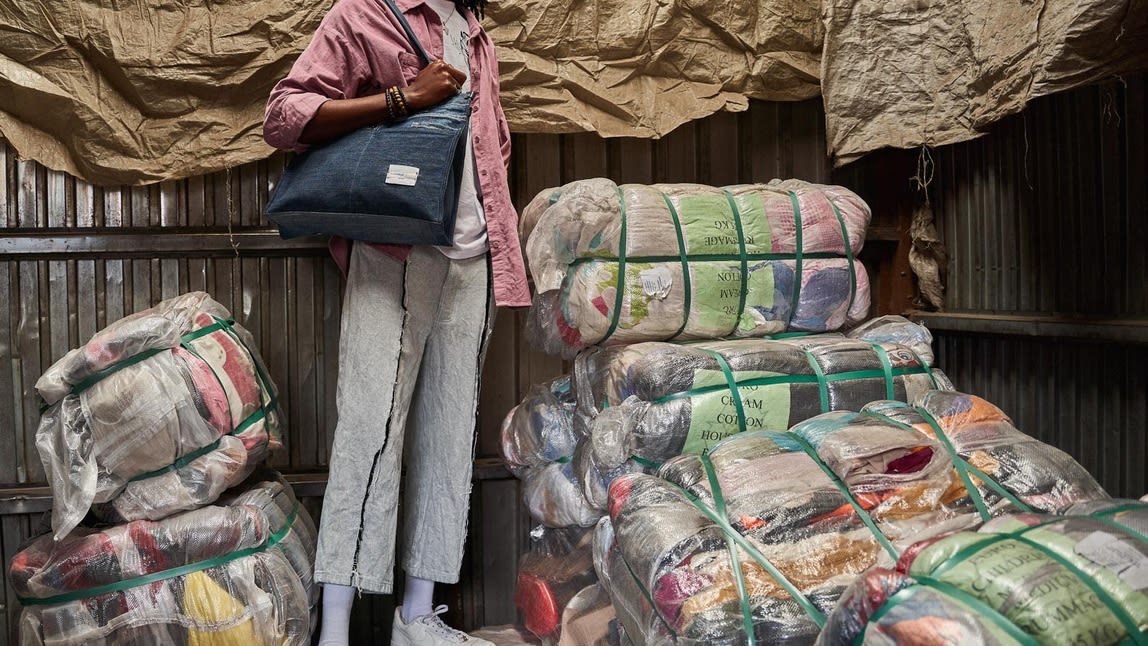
<point>656,282</point>
<point>402,175</point>
<point>1124,560</point>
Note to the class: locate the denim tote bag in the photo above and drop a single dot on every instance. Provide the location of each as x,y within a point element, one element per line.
<point>385,183</point>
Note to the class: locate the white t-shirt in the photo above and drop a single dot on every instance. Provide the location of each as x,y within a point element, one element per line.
<point>470,223</point>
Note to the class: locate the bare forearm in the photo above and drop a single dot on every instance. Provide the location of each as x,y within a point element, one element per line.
<point>337,117</point>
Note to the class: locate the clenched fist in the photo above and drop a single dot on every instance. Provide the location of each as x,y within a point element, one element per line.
<point>436,83</point>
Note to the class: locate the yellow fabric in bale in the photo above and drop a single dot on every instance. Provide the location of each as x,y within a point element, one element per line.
<point>207,603</point>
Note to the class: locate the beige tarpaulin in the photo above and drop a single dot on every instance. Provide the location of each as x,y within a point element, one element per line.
<point>141,91</point>
<point>934,72</point>
<point>136,92</point>
<point>638,68</point>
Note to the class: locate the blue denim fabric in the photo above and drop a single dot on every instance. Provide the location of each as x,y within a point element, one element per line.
<point>339,188</point>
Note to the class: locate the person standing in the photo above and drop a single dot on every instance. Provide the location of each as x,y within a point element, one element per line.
<point>416,320</point>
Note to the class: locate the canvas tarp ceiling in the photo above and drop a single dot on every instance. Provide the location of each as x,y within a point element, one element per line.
<point>131,93</point>
<point>935,72</point>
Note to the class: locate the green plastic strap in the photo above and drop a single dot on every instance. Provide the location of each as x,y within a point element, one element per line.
<point>1118,526</point>
<point>883,355</point>
<point>181,462</point>
<point>921,362</point>
<point>735,562</point>
<point>646,593</point>
<point>732,384</point>
<point>621,287</point>
<point>1112,511</point>
<point>264,381</point>
<point>731,534</point>
<point>687,283</point>
<point>163,575</point>
<point>147,354</point>
<point>958,463</point>
<point>712,257</point>
<point>114,368</point>
<point>798,253</point>
<point>822,384</point>
<point>976,605</point>
<point>741,259</point>
<point>649,464</point>
<point>1117,610</point>
<point>955,457</point>
<point>848,255</point>
<point>791,379</point>
<point>844,489</point>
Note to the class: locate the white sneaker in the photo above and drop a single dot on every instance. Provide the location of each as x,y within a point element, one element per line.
<point>429,630</point>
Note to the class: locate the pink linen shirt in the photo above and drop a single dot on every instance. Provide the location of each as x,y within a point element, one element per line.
<point>360,49</point>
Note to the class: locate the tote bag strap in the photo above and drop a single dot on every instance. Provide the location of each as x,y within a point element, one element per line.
<point>410,34</point>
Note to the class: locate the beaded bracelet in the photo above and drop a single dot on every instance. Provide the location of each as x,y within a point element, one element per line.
<point>396,104</point>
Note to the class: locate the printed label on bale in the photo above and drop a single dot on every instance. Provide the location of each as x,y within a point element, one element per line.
<point>714,417</point>
<point>1124,560</point>
<point>717,294</point>
<point>1040,596</point>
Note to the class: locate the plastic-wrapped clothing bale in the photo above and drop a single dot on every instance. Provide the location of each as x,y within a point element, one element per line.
<point>1042,476</point>
<point>555,569</point>
<point>234,573</point>
<point>589,619</point>
<point>159,412</point>
<point>892,328</point>
<point>540,429</point>
<point>620,264</point>
<point>554,496</point>
<point>686,398</point>
<point>1024,579</point>
<point>760,535</point>
<point>538,441</point>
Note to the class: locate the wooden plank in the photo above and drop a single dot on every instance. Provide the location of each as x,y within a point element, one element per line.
<point>499,383</point>
<point>10,430</point>
<point>7,185</point>
<point>304,393</point>
<point>676,156</point>
<point>332,316</point>
<point>59,312</point>
<point>499,557</point>
<point>717,136</point>
<point>30,367</point>
<point>1135,229</point>
<point>630,160</point>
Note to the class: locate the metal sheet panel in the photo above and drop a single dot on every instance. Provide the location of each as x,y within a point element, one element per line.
<point>1044,220</point>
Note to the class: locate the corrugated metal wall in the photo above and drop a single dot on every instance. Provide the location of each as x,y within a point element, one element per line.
<point>1046,224</point>
<point>74,257</point>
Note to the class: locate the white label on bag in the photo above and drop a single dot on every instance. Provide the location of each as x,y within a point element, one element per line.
<point>656,282</point>
<point>1127,562</point>
<point>402,175</point>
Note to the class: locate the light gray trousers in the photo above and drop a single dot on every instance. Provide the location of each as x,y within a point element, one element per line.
<point>414,335</point>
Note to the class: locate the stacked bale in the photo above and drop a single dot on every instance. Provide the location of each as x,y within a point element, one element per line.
<point>152,431</point>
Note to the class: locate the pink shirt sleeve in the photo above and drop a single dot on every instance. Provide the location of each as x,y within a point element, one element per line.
<point>330,68</point>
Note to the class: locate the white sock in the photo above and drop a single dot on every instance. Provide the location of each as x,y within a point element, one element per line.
<point>337,601</point>
<point>418,598</point>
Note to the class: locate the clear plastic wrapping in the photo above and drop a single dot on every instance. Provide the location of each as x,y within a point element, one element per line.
<point>621,264</point>
<point>158,413</point>
<point>680,398</point>
<point>239,572</point>
<point>555,569</point>
<point>1081,578</point>
<point>806,511</point>
<point>540,429</point>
